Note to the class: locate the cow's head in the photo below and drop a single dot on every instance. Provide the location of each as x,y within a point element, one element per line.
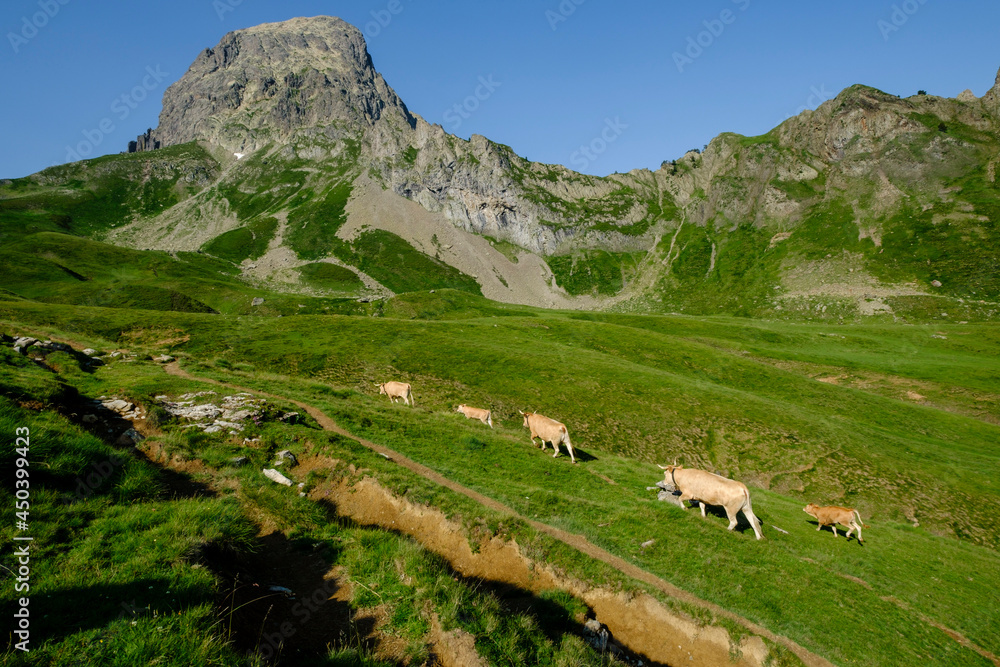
<point>810,509</point>
<point>460,407</point>
<point>668,471</point>
<point>381,389</point>
<point>525,415</point>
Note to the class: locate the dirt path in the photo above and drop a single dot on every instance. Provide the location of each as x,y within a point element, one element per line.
<point>578,542</point>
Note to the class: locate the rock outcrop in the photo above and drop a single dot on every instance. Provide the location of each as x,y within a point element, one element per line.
<point>265,84</point>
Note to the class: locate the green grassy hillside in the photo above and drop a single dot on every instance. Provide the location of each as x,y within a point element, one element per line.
<point>900,422</point>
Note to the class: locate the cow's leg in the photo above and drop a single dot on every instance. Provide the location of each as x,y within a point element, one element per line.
<point>702,506</point>
<point>683,500</point>
<point>834,528</point>
<point>555,446</point>
<point>729,513</point>
<point>819,527</point>
<point>855,525</point>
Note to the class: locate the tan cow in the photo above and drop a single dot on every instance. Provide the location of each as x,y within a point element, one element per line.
<point>396,390</point>
<point>706,487</point>
<point>831,516</point>
<point>484,416</point>
<point>549,430</point>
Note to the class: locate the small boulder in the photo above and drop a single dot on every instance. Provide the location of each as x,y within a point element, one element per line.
<point>163,359</point>
<point>90,352</point>
<point>129,438</point>
<point>118,405</point>
<point>596,634</point>
<point>286,455</point>
<point>239,461</point>
<point>90,419</point>
<point>276,477</point>
<point>936,283</point>
<point>257,302</point>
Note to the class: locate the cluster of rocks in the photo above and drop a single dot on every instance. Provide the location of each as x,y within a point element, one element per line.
<point>123,408</point>
<point>24,344</point>
<point>666,493</point>
<point>212,418</point>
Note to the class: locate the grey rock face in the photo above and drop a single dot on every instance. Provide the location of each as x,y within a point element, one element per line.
<point>309,84</point>
<point>260,84</point>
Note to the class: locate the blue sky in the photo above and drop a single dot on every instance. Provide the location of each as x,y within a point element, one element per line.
<point>654,78</point>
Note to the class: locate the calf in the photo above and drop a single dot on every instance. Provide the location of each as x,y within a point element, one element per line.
<point>706,487</point>
<point>484,416</point>
<point>831,516</point>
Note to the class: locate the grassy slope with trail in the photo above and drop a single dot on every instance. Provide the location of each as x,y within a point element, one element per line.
<point>641,389</point>
<point>133,564</point>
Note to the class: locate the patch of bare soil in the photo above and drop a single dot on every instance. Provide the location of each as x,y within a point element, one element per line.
<point>455,648</point>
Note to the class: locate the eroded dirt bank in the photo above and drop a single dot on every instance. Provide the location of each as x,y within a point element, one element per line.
<point>639,622</point>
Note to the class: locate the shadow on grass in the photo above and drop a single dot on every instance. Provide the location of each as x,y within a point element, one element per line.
<point>841,532</point>
<point>713,512</point>
<point>279,600</point>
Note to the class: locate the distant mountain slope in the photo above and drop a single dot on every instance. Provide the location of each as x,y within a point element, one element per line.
<point>869,205</point>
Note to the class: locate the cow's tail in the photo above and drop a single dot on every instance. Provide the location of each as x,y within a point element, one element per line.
<point>413,401</point>
<point>860,522</point>
<point>749,507</point>
<point>489,419</point>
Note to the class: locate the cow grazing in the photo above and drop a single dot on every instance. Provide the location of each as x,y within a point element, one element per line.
<point>484,416</point>
<point>548,430</point>
<point>831,516</point>
<point>706,487</point>
<point>396,390</point>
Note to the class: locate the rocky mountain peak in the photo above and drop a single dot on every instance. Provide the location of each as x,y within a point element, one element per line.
<point>265,83</point>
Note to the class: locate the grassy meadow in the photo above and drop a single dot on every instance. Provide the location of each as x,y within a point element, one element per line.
<point>898,421</point>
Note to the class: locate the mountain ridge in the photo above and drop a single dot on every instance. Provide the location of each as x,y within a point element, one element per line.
<point>819,216</point>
